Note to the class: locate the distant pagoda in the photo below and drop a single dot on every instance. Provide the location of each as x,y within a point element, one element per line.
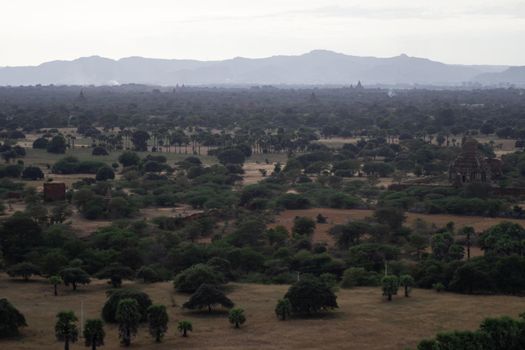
<point>471,166</point>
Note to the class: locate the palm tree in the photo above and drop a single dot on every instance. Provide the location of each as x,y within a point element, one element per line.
<point>128,317</point>
<point>185,327</point>
<point>94,333</point>
<point>66,329</point>
<point>407,282</point>
<point>237,317</point>
<point>55,281</point>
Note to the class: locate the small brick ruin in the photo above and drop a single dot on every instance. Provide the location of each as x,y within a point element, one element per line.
<point>54,191</point>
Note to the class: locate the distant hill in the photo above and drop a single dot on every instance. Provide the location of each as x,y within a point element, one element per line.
<point>314,68</point>
<point>512,75</point>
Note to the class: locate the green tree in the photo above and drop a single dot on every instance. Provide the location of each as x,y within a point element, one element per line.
<point>311,295</point>
<point>469,233</point>
<point>10,319</point>
<point>66,328</point>
<point>390,286</point>
<point>24,270</point>
<point>128,317</point>
<point>115,296</point>
<point>105,173</point>
<point>189,280</point>
<point>129,158</point>
<point>140,140</point>
<point>57,145</point>
<point>116,273</point>
<point>32,173</point>
<point>18,237</point>
<point>157,321</point>
<point>94,333</point>
<point>236,317</point>
<point>407,282</point>
<point>184,327</point>
<point>303,226</point>
<point>231,156</point>
<point>283,308</point>
<point>55,281</point>
<point>148,274</point>
<point>205,297</point>
<point>74,276</point>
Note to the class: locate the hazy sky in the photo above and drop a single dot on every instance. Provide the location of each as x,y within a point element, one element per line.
<point>452,31</point>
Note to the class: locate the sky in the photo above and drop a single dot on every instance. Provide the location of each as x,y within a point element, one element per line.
<point>450,31</point>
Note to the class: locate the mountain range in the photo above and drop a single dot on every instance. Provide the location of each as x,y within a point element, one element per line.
<point>319,67</point>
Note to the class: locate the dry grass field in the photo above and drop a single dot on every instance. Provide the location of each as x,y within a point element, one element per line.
<point>363,321</point>
<point>341,216</point>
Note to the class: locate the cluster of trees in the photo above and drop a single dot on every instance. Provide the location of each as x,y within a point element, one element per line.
<point>502,333</point>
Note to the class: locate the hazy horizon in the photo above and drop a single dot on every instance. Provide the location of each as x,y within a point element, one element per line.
<point>452,32</point>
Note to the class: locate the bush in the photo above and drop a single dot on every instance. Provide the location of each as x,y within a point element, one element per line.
<point>110,307</point>
<point>40,143</point>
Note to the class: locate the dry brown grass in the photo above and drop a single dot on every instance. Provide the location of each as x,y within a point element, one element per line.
<point>341,216</point>
<point>363,321</point>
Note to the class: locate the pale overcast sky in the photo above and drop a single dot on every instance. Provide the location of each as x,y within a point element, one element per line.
<point>451,31</point>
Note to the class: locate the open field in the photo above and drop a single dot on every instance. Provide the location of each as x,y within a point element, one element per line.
<point>363,321</point>
<point>341,216</point>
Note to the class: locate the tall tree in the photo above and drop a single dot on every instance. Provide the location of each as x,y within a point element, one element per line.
<point>94,333</point>
<point>407,282</point>
<point>207,296</point>
<point>128,317</point>
<point>157,321</point>
<point>55,281</point>
<point>390,286</point>
<point>66,328</point>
